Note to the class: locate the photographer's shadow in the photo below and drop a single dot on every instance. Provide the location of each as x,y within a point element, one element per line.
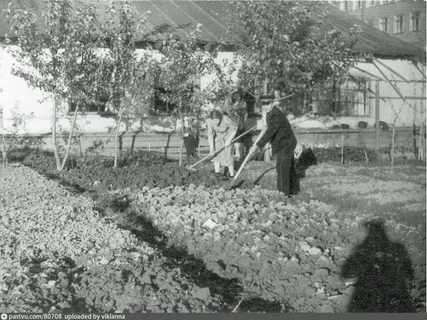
<point>383,270</point>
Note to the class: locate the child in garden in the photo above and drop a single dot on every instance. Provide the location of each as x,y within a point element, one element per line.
<point>239,114</point>
<point>191,141</point>
<point>221,130</point>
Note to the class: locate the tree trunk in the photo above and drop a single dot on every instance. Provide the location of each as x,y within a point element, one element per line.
<point>70,136</point>
<point>116,144</point>
<point>55,147</point>
<point>182,143</point>
<point>3,146</point>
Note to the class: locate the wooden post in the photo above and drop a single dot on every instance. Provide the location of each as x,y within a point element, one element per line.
<point>342,149</point>
<point>421,151</point>
<point>266,151</point>
<point>377,116</point>
<point>182,135</point>
<point>392,146</point>
<point>180,153</point>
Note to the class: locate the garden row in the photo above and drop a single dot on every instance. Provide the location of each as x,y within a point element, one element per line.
<point>279,253</point>
<point>81,170</point>
<point>59,255</point>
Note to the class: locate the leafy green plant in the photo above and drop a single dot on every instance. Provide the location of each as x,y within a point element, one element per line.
<point>57,53</point>
<point>126,77</point>
<point>289,44</point>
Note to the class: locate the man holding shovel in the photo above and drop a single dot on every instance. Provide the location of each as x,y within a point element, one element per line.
<point>283,142</point>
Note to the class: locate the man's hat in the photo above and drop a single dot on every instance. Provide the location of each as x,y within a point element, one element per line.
<point>266,99</point>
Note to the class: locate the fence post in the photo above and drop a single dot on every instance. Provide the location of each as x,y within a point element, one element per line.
<point>392,146</point>
<point>180,153</point>
<point>421,151</point>
<point>342,149</point>
<point>377,115</point>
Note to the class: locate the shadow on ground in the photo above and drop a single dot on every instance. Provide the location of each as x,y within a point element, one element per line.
<point>384,273</point>
<point>194,269</point>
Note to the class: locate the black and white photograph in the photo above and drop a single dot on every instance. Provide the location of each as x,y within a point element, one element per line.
<point>212,157</point>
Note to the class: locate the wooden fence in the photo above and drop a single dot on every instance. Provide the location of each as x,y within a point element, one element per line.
<point>406,140</point>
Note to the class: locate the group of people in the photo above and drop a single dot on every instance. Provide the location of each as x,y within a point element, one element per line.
<point>223,127</point>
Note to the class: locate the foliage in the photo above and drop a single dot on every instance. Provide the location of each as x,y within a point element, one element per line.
<point>290,44</point>
<point>57,53</point>
<point>126,74</point>
<point>183,63</point>
<point>351,154</point>
<point>128,79</point>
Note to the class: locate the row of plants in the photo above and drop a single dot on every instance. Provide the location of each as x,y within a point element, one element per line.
<point>351,154</point>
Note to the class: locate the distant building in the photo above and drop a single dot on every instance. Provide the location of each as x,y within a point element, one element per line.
<point>404,19</point>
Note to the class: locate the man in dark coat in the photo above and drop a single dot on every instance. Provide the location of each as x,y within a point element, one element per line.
<point>283,142</point>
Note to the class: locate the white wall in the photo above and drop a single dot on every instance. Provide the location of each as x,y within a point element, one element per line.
<point>19,100</point>
<point>392,108</point>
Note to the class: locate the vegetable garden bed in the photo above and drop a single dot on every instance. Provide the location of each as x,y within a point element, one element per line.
<point>267,255</point>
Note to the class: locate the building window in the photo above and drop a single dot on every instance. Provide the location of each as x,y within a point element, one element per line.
<point>348,99</point>
<point>384,25</point>
<point>352,98</point>
<point>373,3</point>
<point>399,23</point>
<point>415,21</point>
<point>359,4</point>
<point>99,106</point>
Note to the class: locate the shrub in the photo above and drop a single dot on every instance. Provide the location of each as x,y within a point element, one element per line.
<point>351,154</point>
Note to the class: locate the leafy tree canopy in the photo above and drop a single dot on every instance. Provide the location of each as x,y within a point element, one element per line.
<point>290,44</point>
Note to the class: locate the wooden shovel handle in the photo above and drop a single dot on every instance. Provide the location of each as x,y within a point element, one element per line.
<point>249,155</point>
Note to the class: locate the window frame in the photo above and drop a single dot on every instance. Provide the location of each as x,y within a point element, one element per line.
<point>101,107</point>
<point>332,102</point>
<point>411,25</point>
<point>399,24</point>
<point>354,103</point>
<point>384,21</point>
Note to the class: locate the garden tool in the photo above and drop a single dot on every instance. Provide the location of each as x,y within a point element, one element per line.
<point>210,156</point>
<point>250,154</point>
